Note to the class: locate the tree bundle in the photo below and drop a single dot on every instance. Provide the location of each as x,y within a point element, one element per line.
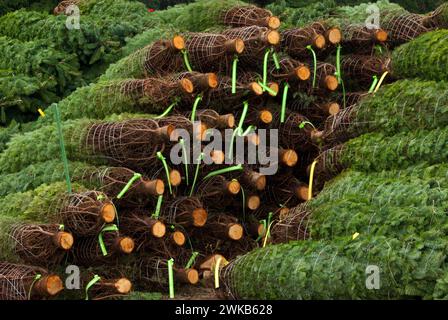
<point>83,212</point>
<point>30,25</point>
<point>36,59</point>
<point>376,152</point>
<point>33,243</point>
<point>410,269</point>
<point>424,57</point>
<point>420,104</point>
<point>20,282</point>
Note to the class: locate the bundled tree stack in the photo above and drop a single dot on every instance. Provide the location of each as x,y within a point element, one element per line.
<point>137,203</point>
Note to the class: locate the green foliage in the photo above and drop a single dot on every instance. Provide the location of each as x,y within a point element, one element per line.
<point>197,16</point>
<point>42,145</point>
<point>50,171</point>
<point>419,104</point>
<point>39,204</point>
<point>7,244</point>
<point>425,57</point>
<point>144,39</point>
<point>377,152</point>
<point>35,58</point>
<point>337,270</point>
<point>306,12</point>
<point>30,25</point>
<point>132,65</point>
<point>21,94</point>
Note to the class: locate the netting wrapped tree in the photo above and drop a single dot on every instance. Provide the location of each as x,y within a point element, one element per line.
<point>107,248</point>
<point>133,143</point>
<point>212,52</point>
<point>316,263</point>
<point>374,152</point>
<point>243,16</point>
<point>33,243</point>
<point>184,211</point>
<point>295,42</point>
<point>102,99</point>
<point>424,57</point>
<point>421,105</point>
<point>361,68</point>
<point>82,212</point>
<point>218,191</point>
<point>256,41</point>
<point>403,27</point>
<point>151,272</point>
<point>222,99</point>
<point>110,180</point>
<point>21,282</point>
<point>291,71</point>
<point>357,37</point>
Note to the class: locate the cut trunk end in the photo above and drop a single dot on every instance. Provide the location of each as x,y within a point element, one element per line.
<point>48,286</point>
<point>265,116</point>
<point>108,213</point>
<point>319,41</point>
<point>204,82</point>
<point>255,88</point>
<point>217,156</point>
<point>332,108</point>
<point>257,180</point>
<point>253,202</point>
<point>302,73</point>
<point>187,276</point>
<point>226,121</point>
<point>381,35</point>
<point>234,231</point>
<point>178,238</point>
<point>273,22</point>
<point>274,87</point>
<point>63,240</point>
<point>334,36</point>
<point>165,132</point>
<point>233,187</point>
<point>126,245</point>
<point>153,187</point>
<point>178,43</point>
<point>175,177</point>
<point>158,229</point>
<point>331,83</point>
<point>123,286</point>
<point>272,37</point>
<point>186,85</point>
<point>234,46</point>
<point>302,192</point>
<point>288,157</point>
<point>199,217</point>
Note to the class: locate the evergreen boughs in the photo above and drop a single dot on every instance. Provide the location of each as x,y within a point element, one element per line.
<point>337,269</point>
<point>377,152</point>
<point>42,145</point>
<point>199,15</point>
<point>425,57</point>
<point>40,204</point>
<point>30,25</point>
<point>36,59</point>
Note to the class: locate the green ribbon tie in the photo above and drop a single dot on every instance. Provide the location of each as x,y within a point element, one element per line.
<point>134,178</point>
<point>109,228</point>
<point>191,260</point>
<point>234,67</point>
<point>238,167</point>
<point>156,213</point>
<point>284,98</point>
<point>94,280</point>
<point>186,61</point>
<point>309,47</point>
<point>36,277</point>
<point>167,171</point>
<point>171,277</point>
<point>195,106</point>
<point>201,156</point>
<point>184,155</point>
